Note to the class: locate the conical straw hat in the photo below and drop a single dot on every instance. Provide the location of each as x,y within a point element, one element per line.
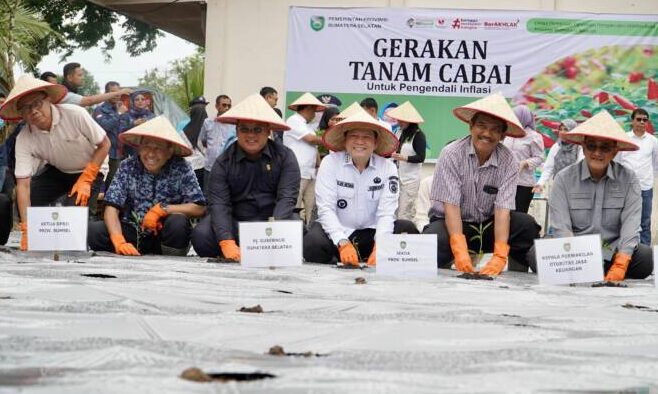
<point>601,125</point>
<point>159,128</point>
<point>25,85</point>
<point>352,109</point>
<point>334,138</point>
<point>254,109</point>
<point>307,99</point>
<point>406,113</point>
<point>494,105</point>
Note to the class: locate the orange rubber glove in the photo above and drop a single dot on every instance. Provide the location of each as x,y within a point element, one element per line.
<point>460,251</point>
<point>152,218</point>
<point>617,271</point>
<point>498,261</point>
<point>123,247</point>
<point>23,236</point>
<point>348,254</point>
<point>83,186</point>
<point>372,259</point>
<point>230,249</point>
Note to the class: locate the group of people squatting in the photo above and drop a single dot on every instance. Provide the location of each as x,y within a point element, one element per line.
<point>362,182</point>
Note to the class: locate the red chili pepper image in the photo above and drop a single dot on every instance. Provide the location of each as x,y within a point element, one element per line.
<point>625,104</point>
<point>585,113</point>
<point>602,97</point>
<point>652,90</point>
<point>551,124</point>
<point>635,77</point>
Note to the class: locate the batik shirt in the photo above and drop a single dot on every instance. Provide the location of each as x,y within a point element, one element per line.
<point>134,189</point>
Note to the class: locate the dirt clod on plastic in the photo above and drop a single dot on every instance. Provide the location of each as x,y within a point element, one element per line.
<point>251,309</point>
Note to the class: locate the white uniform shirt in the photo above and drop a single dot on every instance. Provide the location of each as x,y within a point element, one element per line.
<point>644,162</point>
<point>214,134</point>
<point>68,146</point>
<point>348,200</point>
<point>305,153</point>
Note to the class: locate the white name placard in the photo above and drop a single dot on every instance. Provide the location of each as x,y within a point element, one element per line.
<point>406,255</point>
<point>57,228</point>
<point>271,244</point>
<point>569,260</point>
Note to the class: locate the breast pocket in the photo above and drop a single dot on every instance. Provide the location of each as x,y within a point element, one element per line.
<point>612,206</point>
<point>581,210</point>
<point>345,196</point>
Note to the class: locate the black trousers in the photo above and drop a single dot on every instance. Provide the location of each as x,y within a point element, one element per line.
<point>6,218</point>
<point>319,248</point>
<point>522,233</point>
<point>53,186</point>
<point>175,234</point>
<point>523,198</point>
<point>640,267</point>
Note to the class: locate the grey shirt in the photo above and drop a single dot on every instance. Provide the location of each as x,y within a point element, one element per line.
<point>611,207</point>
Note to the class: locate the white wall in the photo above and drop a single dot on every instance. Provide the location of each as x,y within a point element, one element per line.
<point>246,39</point>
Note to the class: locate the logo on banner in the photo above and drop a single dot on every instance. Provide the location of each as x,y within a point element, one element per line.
<point>420,22</point>
<point>501,24</point>
<point>466,23</point>
<point>317,23</point>
<point>440,23</point>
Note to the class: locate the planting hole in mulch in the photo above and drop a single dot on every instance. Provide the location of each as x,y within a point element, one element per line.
<point>6,297</point>
<point>609,284</point>
<point>283,291</point>
<point>197,375</point>
<point>251,309</point>
<point>350,266</point>
<point>277,350</point>
<point>360,281</point>
<point>640,307</point>
<point>222,260</point>
<point>474,276</point>
<point>101,276</point>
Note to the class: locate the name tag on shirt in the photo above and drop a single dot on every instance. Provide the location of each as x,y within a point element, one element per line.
<point>271,244</point>
<point>57,228</point>
<point>568,260</point>
<point>407,255</point>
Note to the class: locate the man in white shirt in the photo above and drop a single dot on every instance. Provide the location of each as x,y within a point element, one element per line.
<point>303,141</point>
<point>213,136</point>
<point>370,106</point>
<point>644,162</point>
<point>356,192</point>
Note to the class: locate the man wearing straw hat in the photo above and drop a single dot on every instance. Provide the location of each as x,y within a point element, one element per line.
<point>151,197</point>
<point>474,188</point>
<point>255,179</point>
<point>356,192</point>
<point>600,196</point>
<point>60,150</point>
<point>301,139</point>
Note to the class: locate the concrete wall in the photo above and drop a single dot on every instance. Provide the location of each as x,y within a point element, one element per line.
<point>246,39</point>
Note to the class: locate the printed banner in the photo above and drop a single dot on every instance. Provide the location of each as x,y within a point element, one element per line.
<point>562,65</point>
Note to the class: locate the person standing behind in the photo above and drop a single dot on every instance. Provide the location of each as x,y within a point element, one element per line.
<point>213,136</point>
<point>138,113</point>
<point>644,162</point>
<point>529,152</point>
<point>561,155</point>
<point>73,80</point>
<point>369,105</point>
<point>192,130</point>
<point>107,115</point>
<point>272,97</point>
<point>410,156</point>
<point>303,141</point>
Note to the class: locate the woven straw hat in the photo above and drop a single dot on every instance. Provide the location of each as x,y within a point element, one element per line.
<point>159,128</point>
<point>307,99</point>
<point>254,109</point>
<point>601,125</point>
<point>494,105</point>
<point>334,138</point>
<point>352,109</point>
<point>25,85</point>
<point>406,113</point>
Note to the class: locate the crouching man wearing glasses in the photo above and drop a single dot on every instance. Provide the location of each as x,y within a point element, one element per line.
<point>599,196</point>
<point>253,180</point>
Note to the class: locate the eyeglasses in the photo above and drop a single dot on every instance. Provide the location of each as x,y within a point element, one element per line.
<point>253,130</point>
<point>641,120</point>
<point>604,148</point>
<point>29,107</point>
